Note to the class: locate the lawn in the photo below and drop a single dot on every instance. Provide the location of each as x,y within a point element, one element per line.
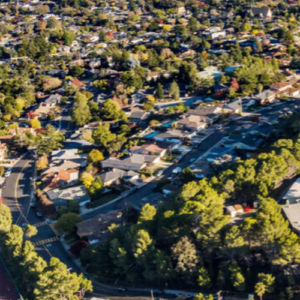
<point>104,199</point>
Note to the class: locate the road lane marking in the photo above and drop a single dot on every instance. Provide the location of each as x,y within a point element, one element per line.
<point>16,195</point>
<point>47,241</point>
<point>19,208</point>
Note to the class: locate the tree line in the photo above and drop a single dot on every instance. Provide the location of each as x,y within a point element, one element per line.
<point>190,242</point>
<point>36,278</point>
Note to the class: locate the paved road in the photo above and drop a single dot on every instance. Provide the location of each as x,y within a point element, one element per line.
<point>17,196</point>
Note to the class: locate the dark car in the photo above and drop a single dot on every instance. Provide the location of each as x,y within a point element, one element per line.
<point>39,214</point>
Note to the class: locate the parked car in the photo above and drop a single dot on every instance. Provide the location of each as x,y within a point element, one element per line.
<point>219,127</point>
<point>177,170</point>
<point>39,214</point>
<point>32,204</point>
<point>88,205</point>
<point>24,224</point>
<point>159,173</point>
<point>192,160</point>
<point>7,173</point>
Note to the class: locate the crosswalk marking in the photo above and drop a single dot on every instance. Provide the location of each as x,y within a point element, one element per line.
<point>40,224</point>
<point>47,241</point>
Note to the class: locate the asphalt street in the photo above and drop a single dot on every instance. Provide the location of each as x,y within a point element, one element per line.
<point>17,196</point>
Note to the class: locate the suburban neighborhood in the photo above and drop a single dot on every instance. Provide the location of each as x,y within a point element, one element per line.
<point>149,149</point>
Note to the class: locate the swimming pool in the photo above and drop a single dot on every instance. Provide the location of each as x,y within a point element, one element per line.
<point>168,124</point>
<point>150,135</point>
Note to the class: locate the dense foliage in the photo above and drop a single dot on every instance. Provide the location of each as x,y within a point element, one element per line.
<point>190,241</point>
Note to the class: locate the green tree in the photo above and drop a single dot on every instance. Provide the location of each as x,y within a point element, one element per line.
<point>119,257</point>
<point>57,282</point>
<point>233,243</point>
<point>36,124</point>
<point>102,136</point>
<point>236,277</point>
<point>95,188</point>
<point>110,110</point>
<point>5,219</point>
<point>141,247</point>
<point>203,278</point>
<point>76,71</point>
<point>260,289</point>
<point>95,156</point>
<point>147,213</point>
<point>81,113</point>
<point>51,140</point>
<point>246,27</point>
<point>203,297</point>
<point>30,231</point>
<point>160,92</point>
<point>174,90</point>
<point>67,223</point>
<point>205,44</point>
<point>185,256</point>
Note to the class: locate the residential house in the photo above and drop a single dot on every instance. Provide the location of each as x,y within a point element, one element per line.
<point>158,148</point>
<point>218,152</point>
<point>152,76</point>
<point>96,228</point>
<point>234,107</point>
<point>208,113</point>
<point>115,175</point>
<point>281,86</point>
<point>20,131</point>
<point>285,88</point>
<point>174,135</point>
<point>61,198</point>
<point>248,141</point>
<point>76,83</point>
<point>260,12</point>
<point>137,115</point>
<point>3,151</point>
<point>63,48</point>
<point>60,179</point>
<point>69,154</point>
<point>291,205</point>
<point>60,165</point>
<point>135,162</point>
<point>191,122</point>
<point>43,109</point>
<point>139,96</point>
<point>53,100</point>
<point>264,97</point>
<point>210,71</point>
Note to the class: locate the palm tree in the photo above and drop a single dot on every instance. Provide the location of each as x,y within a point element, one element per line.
<point>260,289</point>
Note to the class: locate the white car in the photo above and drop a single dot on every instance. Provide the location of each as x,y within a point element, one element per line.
<point>219,127</point>
<point>159,173</point>
<point>177,170</point>
<point>7,173</point>
<point>192,160</point>
<point>24,225</point>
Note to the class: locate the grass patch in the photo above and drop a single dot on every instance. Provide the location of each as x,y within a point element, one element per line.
<point>104,199</point>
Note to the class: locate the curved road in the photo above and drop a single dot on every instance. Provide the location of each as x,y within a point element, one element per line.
<point>17,195</point>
